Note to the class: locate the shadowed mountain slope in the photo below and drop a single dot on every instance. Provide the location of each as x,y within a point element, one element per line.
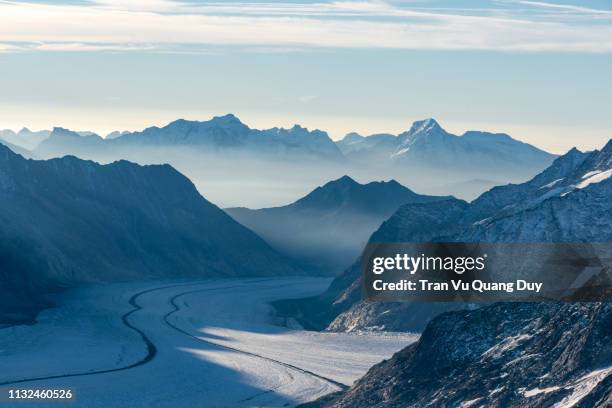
<point>67,221</point>
<point>326,229</point>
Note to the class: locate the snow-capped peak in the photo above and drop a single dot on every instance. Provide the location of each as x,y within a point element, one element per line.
<point>427,131</point>
<point>424,126</point>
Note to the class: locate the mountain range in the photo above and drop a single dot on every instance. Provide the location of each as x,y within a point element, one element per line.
<point>67,221</point>
<point>25,138</point>
<point>505,354</point>
<point>427,144</point>
<point>567,202</point>
<point>275,165</point>
<point>219,134</point>
<point>326,229</point>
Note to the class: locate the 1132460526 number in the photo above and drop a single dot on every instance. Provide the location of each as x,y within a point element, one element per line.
<point>38,394</point>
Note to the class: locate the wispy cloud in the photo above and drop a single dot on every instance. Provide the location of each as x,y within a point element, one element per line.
<point>81,47</point>
<point>566,7</point>
<point>166,25</point>
<point>5,48</point>
<point>142,5</point>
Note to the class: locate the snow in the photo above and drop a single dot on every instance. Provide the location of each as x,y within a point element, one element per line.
<point>506,344</point>
<point>400,152</point>
<point>229,324</point>
<point>85,331</point>
<point>582,387</point>
<point>496,390</point>
<point>537,391</point>
<point>216,343</point>
<point>594,177</point>
<point>551,184</point>
<point>467,404</point>
<point>483,221</point>
<point>521,358</point>
<point>590,174</point>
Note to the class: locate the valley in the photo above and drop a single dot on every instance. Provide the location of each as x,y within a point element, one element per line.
<point>184,343</point>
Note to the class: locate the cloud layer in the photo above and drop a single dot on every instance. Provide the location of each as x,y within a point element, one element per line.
<point>172,26</point>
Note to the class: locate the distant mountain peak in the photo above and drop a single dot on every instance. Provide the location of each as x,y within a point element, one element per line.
<point>343,180</point>
<point>304,131</point>
<point>115,134</point>
<point>349,181</point>
<point>424,126</point>
<point>571,155</point>
<point>60,131</point>
<point>327,227</point>
<point>393,182</point>
<point>424,132</point>
<point>224,121</point>
<point>430,122</point>
<point>346,191</point>
<point>421,130</point>
<point>607,148</point>
<point>352,137</point>
<point>603,158</point>
<point>24,139</point>
<point>339,186</point>
<point>229,118</point>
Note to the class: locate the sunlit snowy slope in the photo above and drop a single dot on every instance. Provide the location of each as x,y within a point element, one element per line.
<point>185,343</point>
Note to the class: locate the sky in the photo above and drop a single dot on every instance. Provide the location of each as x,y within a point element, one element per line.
<point>537,70</point>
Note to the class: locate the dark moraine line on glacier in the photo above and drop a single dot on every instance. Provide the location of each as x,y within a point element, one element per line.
<point>248,353</point>
<point>151,348</point>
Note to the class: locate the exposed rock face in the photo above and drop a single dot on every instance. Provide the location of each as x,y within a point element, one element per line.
<point>570,201</point>
<point>326,229</point>
<point>503,355</point>
<point>508,354</point>
<point>66,221</point>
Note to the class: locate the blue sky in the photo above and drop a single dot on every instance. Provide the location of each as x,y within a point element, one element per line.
<point>537,70</point>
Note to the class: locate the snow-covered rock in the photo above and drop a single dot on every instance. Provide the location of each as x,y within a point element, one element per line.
<point>507,354</point>
<point>548,208</point>
<point>426,146</point>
